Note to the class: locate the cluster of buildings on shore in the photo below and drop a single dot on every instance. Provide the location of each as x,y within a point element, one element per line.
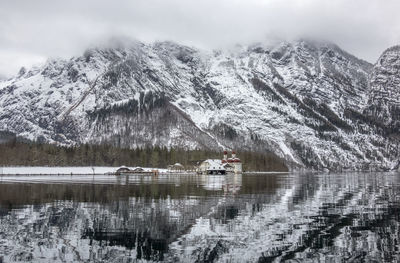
<point>224,166</point>
<point>213,166</point>
<point>210,166</point>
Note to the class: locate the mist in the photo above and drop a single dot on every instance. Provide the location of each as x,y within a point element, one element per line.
<point>32,31</point>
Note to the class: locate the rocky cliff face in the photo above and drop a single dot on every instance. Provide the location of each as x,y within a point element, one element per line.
<point>306,101</point>
<point>384,101</point>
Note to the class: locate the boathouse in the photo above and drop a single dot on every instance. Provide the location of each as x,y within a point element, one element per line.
<point>211,166</point>
<point>226,165</point>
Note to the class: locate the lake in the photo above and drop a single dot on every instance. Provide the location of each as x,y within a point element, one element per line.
<point>306,217</point>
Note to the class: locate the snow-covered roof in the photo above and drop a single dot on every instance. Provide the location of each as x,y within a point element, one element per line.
<point>214,164</point>
<point>123,169</point>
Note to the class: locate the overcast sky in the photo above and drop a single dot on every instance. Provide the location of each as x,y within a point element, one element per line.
<point>33,30</point>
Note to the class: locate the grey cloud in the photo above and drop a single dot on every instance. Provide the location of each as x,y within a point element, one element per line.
<point>31,31</point>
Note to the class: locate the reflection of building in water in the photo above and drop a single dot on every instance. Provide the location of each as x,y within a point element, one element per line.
<point>212,182</point>
<point>272,218</point>
<point>227,183</point>
<point>123,221</point>
<point>233,183</point>
<point>340,219</point>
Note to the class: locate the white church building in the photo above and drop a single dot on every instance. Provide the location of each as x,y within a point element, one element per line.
<point>224,166</point>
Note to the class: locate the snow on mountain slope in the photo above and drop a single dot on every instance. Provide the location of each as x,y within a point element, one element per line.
<point>302,100</point>
<point>384,100</point>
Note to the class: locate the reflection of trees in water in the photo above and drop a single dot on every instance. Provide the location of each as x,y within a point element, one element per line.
<point>147,226</point>
<point>144,218</point>
<point>146,247</point>
<point>328,217</point>
<point>274,217</point>
<point>360,224</point>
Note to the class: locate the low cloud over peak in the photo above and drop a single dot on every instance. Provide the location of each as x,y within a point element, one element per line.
<point>31,31</point>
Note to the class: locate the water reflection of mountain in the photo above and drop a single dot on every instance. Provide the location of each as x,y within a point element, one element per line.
<point>335,218</point>
<point>136,213</point>
<point>204,218</point>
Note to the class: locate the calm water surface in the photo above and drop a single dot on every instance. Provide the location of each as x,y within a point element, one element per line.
<point>180,218</point>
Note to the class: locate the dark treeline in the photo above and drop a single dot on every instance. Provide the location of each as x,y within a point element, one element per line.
<point>37,154</point>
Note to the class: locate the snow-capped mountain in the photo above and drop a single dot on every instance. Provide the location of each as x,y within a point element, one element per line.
<point>309,102</point>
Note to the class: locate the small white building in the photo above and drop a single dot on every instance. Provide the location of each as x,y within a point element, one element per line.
<point>226,165</point>
<point>176,167</point>
<point>211,166</point>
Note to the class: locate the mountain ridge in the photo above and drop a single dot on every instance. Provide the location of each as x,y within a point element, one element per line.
<point>308,102</point>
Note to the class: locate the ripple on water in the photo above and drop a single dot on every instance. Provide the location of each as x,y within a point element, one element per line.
<point>196,218</point>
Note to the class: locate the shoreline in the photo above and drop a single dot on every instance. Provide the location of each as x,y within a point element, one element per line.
<point>93,170</point>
